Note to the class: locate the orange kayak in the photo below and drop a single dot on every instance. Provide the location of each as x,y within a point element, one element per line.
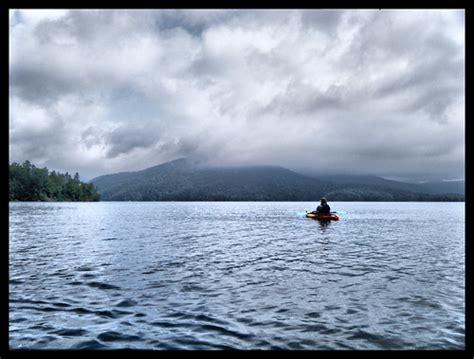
<point>323,216</point>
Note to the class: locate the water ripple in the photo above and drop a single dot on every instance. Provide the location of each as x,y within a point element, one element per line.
<point>230,276</point>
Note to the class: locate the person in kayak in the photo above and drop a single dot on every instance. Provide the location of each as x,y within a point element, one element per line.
<point>323,207</point>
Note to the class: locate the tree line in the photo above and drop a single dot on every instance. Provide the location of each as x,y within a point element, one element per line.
<point>377,194</point>
<point>30,183</point>
<point>181,182</point>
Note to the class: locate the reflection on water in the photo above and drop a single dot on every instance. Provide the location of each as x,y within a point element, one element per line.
<point>323,225</point>
<point>241,275</point>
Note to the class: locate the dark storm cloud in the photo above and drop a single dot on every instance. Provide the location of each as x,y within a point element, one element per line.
<point>126,89</point>
<point>41,141</point>
<point>324,20</point>
<point>179,147</point>
<point>126,138</point>
<point>192,21</point>
<point>444,65</point>
<point>35,84</point>
<point>429,86</point>
<point>300,98</point>
<point>435,102</point>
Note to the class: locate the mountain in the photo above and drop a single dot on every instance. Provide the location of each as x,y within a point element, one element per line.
<point>184,180</point>
<point>436,188</point>
<point>443,187</point>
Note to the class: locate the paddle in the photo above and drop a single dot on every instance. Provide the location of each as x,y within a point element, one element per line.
<point>301,214</point>
<point>340,212</point>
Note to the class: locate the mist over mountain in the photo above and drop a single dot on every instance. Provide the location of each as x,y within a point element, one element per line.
<point>186,180</point>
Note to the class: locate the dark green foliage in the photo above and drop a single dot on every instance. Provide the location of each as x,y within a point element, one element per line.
<point>182,180</point>
<point>372,193</point>
<point>29,183</point>
<point>436,188</point>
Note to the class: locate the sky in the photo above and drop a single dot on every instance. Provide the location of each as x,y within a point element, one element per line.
<point>378,92</point>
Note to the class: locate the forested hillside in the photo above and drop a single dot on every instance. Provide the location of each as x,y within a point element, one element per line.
<point>181,180</point>
<point>30,183</point>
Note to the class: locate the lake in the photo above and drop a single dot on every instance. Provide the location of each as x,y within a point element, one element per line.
<point>236,275</point>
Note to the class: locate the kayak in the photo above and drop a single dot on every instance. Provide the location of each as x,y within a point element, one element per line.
<point>323,216</point>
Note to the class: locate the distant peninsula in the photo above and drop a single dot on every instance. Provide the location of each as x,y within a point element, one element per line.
<point>30,183</point>
<point>184,180</point>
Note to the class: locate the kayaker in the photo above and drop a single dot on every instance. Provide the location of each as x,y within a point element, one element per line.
<point>323,207</point>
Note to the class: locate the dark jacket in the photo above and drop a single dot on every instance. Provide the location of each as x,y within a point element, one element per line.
<point>324,208</point>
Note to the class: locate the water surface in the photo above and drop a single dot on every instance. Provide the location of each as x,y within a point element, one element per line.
<point>243,275</point>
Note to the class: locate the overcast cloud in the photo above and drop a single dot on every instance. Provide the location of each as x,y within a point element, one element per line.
<point>102,91</point>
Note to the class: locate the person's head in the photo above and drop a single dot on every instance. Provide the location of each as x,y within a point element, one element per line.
<point>324,200</point>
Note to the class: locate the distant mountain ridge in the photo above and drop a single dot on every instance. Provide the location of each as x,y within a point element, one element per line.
<point>184,180</point>
<point>438,187</point>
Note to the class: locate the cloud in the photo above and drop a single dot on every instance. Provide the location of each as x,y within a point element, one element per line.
<point>101,91</point>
